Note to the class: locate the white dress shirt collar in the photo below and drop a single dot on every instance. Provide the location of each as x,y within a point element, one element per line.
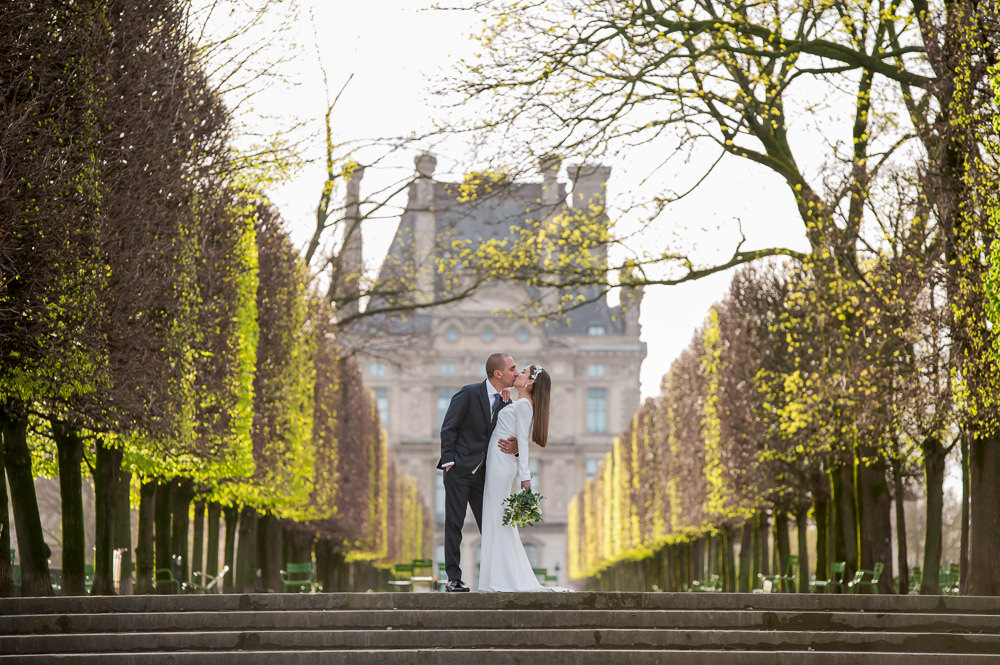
<point>490,391</point>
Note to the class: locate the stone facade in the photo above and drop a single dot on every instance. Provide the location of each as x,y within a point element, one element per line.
<point>594,358</point>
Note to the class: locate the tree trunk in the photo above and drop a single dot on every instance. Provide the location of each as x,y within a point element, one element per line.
<point>984,522</point>
<point>232,524</point>
<point>212,553</point>
<point>698,560</point>
<point>123,528</point>
<point>902,565</point>
<point>782,546</point>
<point>763,547</point>
<point>821,512</point>
<point>875,509</point>
<point>845,518</point>
<point>746,556</point>
<point>6,561</point>
<point>341,570</point>
<point>934,467</point>
<point>246,556</point>
<point>966,482</point>
<point>688,554</point>
<point>802,531</point>
<point>269,551</point>
<point>729,556</point>
<point>108,461</point>
<point>303,546</point>
<point>69,447</point>
<point>144,547</point>
<point>180,500</point>
<point>710,548</point>
<point>198,546</point>
<point>323,564</point>
<point>161,533</point>
<point>35,578</point>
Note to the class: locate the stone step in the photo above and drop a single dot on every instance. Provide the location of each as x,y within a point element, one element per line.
<point>509,601</point>
<point>505,657</point>
<point>488,629</point>
<point>27,624</point>
<point>506,639</point>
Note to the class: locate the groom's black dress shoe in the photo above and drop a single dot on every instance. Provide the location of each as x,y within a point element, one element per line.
<point>456,585</point>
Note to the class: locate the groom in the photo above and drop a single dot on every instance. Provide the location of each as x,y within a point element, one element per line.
<point>465,435</point>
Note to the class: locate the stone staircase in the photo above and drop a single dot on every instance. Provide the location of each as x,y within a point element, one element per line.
<point>495,629</point>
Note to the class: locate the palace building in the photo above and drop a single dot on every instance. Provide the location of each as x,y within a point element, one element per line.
<point>416,361</point>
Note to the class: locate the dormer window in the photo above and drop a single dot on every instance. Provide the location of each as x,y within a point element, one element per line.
<point>596,330</point>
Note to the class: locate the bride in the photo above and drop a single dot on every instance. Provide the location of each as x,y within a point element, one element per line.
<point>503,564</point>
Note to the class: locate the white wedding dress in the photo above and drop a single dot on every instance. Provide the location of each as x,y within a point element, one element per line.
<point>503,564</point>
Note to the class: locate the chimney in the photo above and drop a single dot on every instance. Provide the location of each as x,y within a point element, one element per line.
<point>631,302</point>
<point>549,165</point>
<point>589,184</point>
<point>424,233</point>
<point>351,258</point>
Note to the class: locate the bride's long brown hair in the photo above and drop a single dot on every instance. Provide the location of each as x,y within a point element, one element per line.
<point>541,389</point>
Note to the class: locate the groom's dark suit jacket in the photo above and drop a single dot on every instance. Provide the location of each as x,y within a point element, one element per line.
<point>466,429</point>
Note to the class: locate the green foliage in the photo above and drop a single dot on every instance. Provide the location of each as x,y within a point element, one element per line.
<point>992,203</point>
<point>712,341</point>
<point>148,294</point>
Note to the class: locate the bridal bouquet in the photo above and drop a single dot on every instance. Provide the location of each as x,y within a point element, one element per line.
<point>522,509</point>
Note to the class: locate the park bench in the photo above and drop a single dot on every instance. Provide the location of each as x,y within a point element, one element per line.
<point>209,585</point>
<point>169,575</point>
<point>402,577</point>
<point>837,571</point>
<point>873,575</point>
<point>298,576</point>
<point>540,573</point>
<point>166,576</point>
<point>420,577</point>
<point>786,581</point>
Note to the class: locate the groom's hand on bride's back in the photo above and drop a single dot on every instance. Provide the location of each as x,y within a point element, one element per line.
<point>508,446</point>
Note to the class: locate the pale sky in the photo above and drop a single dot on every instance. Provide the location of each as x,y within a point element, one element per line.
<point>394,50</point>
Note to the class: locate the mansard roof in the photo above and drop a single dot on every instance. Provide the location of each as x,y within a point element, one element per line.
<point>489,216</point>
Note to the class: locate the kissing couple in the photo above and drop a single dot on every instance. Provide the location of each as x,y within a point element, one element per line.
<point>485,440</point>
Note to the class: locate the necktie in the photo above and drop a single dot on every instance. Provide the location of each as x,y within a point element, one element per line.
<point>497,405</point>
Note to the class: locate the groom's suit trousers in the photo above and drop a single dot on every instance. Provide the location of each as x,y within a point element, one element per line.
<point>460,490</point>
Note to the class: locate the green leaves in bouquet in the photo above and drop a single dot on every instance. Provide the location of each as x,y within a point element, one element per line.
<point>522,509</point>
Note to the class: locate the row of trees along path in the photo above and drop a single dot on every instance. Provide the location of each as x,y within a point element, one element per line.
<point>781,411</point>
<point>157,327</point>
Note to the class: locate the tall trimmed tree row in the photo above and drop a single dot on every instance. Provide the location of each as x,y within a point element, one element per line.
<point>764,421</point>
<point>155,325</point>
